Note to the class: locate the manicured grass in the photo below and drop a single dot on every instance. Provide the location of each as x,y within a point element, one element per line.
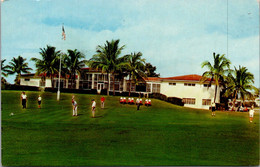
<point>163,134</point>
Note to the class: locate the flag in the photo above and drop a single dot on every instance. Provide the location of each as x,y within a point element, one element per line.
<point>63,33</point>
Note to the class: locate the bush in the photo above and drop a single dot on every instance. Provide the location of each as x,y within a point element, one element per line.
<point>159,96</point>
<point>20,87</point>
<point>175,100</point>
<point>67,90</point>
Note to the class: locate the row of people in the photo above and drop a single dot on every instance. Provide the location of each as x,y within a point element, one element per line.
<point>147,102</point>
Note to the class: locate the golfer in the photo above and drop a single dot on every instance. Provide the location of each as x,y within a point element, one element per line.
<point>138,103</point>
<point>213,109</point>
<point>24,98</point>
<point>39,101</point>
<point>75,108</point>
<point>102,102</point>
<point>251,113</point>
<point>93,108</point>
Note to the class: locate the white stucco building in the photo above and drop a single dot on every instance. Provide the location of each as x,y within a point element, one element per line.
<point>193,93</point>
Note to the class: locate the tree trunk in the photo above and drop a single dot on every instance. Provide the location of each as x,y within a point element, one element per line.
<point>108,85</point>
<point>71,85</point>
<point>17,80</point>
<point>113,84</point>
<point>130,84</point>
<point>52,84</point>
<point>74,79</point>
<point>216,88</point>
<point>233,105</point>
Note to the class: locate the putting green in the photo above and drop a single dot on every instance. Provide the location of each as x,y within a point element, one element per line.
<point>164,134</point>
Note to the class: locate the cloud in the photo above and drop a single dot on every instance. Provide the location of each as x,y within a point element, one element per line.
<point>176,36</point>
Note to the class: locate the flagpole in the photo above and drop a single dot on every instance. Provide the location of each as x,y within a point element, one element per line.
<point>58,93</point>
<point>63,37</point>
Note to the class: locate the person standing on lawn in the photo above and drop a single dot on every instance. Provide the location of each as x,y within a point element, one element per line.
<point>39,101</point>
<point>251,113</point>
<point>213,109</point>
<point>138,103</point>
<point>75,108</point>
<point>93,108</point>
<point>102,102</point>
<point>24,98</point>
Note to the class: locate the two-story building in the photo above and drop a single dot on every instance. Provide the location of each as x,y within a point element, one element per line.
<point>187,87</point>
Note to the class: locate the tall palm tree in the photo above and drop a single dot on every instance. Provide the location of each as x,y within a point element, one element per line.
<point>74,63</point>
<point>216,71</point>
<point>4,68</point>
<point>135,68</point>
<point>18,66</point>
<point>240,81</point>
<point>107,59</point>
<point>4,72</point>
<point>49,64</point>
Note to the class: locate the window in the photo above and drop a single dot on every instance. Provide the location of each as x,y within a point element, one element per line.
<point>206,102</point>
<point>172,83</point>
<point>156,88</point>
<point>132,86</point>
<point>86,85</point>
<point>207,85</point>
<point>26,79</point>
<point>42,83</point>
<point>148,87</point>
<point>189,84</point>
<point>188,100</point>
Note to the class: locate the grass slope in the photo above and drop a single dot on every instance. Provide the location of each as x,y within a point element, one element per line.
<point>163,134</point>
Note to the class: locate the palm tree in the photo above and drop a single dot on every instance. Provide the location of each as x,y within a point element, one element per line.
<point>49,64</point>
<point>135,68</point>
<point>150,70</point>
<point>17,66</point>
<point>107,59</point>
<point>216,71</point>
<point>240,81</point>
<point>4,68</point>
<point>74,64</point>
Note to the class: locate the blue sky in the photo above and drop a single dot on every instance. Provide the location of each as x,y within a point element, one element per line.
<point>175,36</point>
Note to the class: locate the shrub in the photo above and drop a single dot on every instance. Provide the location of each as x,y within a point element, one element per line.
<point>175,100</point>
<point>20,87</point>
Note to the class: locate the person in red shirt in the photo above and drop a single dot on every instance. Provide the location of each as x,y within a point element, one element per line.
<point>102,102</point>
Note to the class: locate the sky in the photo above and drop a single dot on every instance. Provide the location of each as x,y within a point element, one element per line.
<point>175,36</point>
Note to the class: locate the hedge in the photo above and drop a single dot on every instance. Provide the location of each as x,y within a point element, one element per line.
<point>68,90</point>
<point>20,87</point>
<point>173,100</point>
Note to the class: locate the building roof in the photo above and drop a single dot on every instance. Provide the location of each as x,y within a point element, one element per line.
<point>152,79</point>
<point>192,77</point>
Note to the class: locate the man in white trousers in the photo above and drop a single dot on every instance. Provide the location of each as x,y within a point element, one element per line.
<point>93,108</point>
<point>75,107</point>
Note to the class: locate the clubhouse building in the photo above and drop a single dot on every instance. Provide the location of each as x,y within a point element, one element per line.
<point>193,93</point>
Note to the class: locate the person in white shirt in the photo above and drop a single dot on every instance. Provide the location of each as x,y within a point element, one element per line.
<point>251,113</point>
<point>75,108</point>
<point>93,108</point>
<point>39,101</point>
<point>138,103</point>
<point>23,97</point>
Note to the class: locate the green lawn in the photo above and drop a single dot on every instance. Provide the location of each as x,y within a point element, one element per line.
<point>163,134</point>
